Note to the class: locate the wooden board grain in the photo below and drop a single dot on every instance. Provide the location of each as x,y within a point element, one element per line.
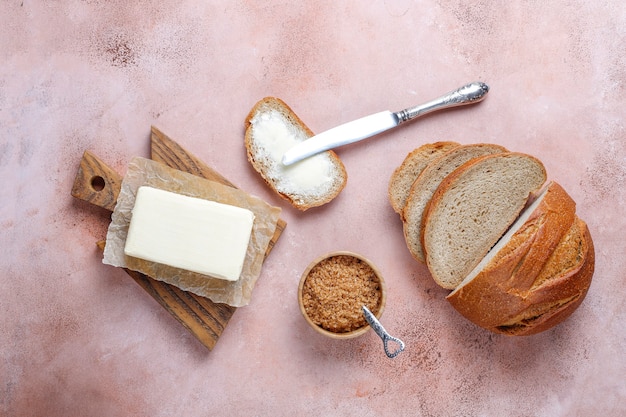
<point>100,185</point>
<point>165,150</point>
<point>96,183</point>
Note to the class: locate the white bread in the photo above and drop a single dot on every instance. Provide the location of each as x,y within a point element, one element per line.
<point>472,208</point>
<point>411,167</point>
<point>271,129</point>
<point>426,184</point>
<point>537,274</point>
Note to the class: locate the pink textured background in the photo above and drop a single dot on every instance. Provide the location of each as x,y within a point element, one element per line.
<point>80,338</point>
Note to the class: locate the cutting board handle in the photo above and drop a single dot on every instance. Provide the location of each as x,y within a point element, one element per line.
<point>96,182</point>
<point>100,185</point>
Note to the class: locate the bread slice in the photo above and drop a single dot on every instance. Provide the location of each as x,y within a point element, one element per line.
<point>537,274</point>
<point>271,129</point>
<point>413,164</point>
<point>426,184</point>
<point>472,208</point>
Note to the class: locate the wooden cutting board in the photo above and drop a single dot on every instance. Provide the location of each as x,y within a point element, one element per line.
<point>100,185</point>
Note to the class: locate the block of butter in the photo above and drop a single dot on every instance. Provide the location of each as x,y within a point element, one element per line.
<point>189,233</point>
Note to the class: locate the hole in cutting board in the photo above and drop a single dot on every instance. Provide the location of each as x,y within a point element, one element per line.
<point>97,183</point>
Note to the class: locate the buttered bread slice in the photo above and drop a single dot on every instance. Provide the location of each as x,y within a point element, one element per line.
<point>472,208</point>
<point>272,128</point>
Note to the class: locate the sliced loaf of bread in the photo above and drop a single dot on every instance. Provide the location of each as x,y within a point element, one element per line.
<point>472,208</point>
<point>413,164</point>
<point>536,275</point>
<point>426,184</point>
<point>271,129</point>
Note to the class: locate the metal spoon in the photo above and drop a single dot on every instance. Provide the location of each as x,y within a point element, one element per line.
<point>382,333</point>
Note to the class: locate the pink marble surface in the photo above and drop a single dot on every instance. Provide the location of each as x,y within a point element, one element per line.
<point>80,338</point>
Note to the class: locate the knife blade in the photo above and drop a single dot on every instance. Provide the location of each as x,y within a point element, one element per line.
<point>377,123</point>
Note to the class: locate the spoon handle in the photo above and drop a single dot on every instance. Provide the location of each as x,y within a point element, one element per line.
<point>382,333</point>
<point>468,94</point>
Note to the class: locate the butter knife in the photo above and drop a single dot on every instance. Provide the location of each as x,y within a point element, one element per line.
<point>374,124</point>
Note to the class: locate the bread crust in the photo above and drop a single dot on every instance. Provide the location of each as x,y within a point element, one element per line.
<point>261,166</point>
<point>450,183</point>
<point>412,166</point>
<point>538,278</point>
<point>578,282</point>
<point>425,185</point>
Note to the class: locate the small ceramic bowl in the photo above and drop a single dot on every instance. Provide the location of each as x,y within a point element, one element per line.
<point>325,262</point>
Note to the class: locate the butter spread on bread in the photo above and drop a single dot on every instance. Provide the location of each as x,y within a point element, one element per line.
<point>189,233</point>
<point>272,128</point>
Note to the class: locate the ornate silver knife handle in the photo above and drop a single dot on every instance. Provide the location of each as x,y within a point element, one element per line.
<point>468,94</point>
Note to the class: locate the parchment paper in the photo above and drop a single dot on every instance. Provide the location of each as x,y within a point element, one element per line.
<point>143,171</point>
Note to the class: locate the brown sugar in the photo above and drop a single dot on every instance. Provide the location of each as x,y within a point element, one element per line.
<point>336,289</point>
